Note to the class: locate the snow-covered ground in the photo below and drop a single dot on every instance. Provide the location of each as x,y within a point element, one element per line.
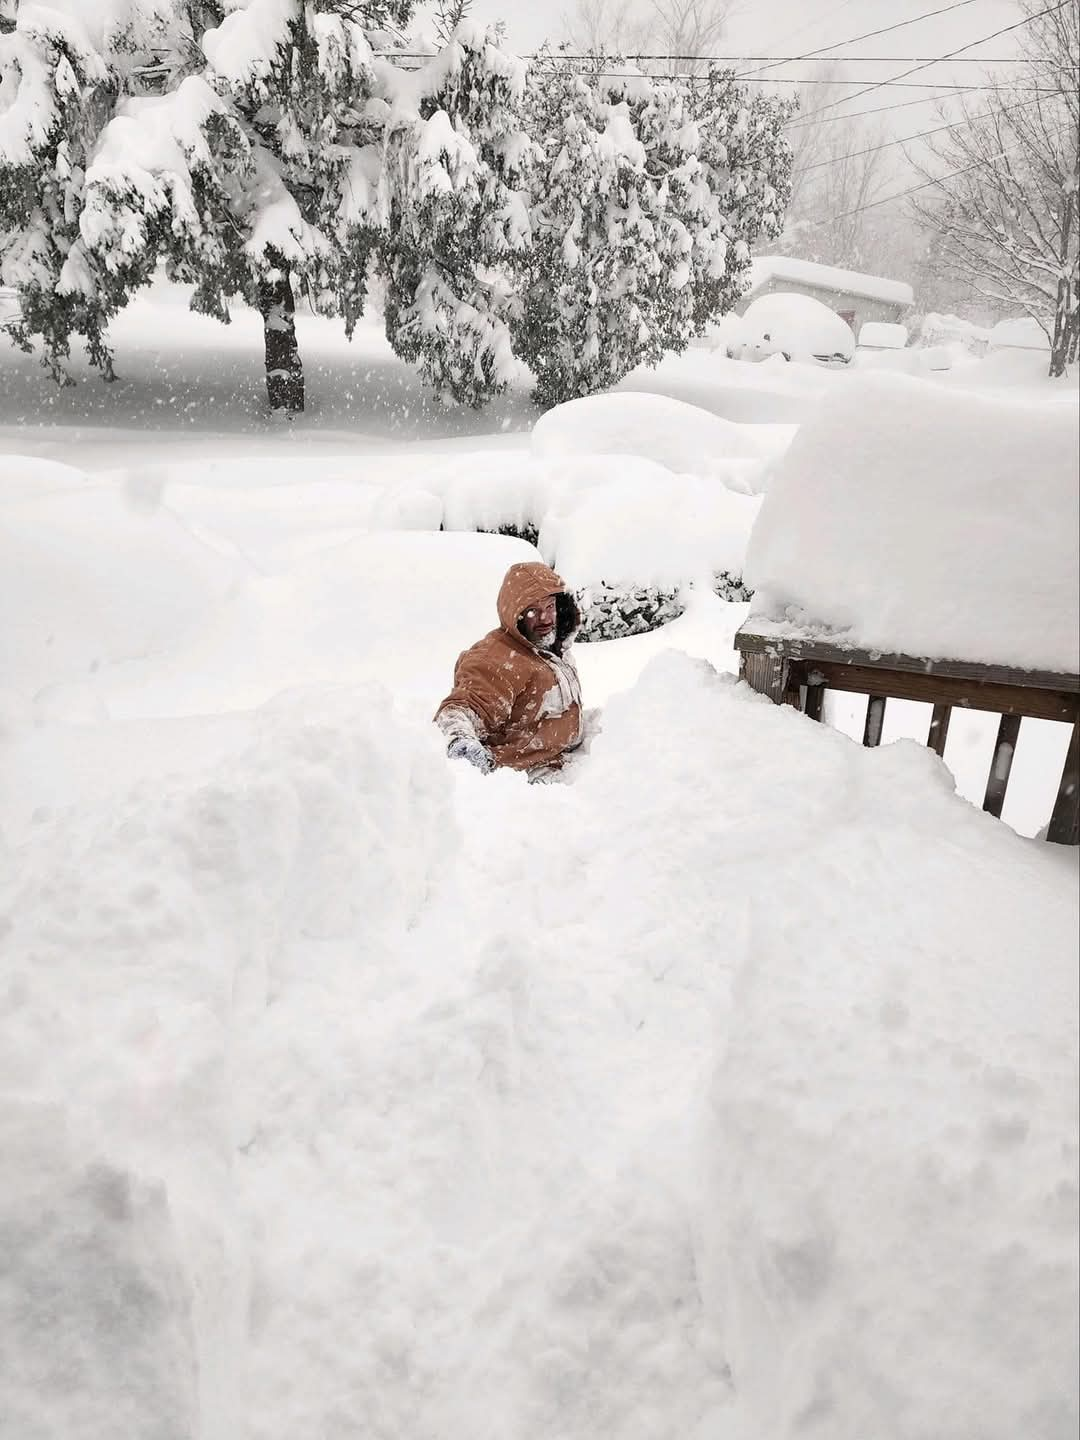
<point>726,1092</point>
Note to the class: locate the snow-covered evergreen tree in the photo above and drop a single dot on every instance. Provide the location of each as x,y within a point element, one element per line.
<point>63,68</point>
<point>257,173</point>
<point>745,159</point>
<point>644,206</point>
<point>285,151</point>
<point>455,224</point>
<point>584,320</point>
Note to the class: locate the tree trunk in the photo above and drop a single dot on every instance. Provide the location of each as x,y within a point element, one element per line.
<point>284,372</point>
<point>1064,324</point>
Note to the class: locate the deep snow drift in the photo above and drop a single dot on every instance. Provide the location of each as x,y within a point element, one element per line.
<point>369,1096</point>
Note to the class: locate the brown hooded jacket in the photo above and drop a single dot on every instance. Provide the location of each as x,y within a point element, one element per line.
<point>522,703</point>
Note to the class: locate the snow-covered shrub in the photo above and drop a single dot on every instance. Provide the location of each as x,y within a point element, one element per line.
<point>611,612</point>
<point>935,329</point>
<point>731,587</point>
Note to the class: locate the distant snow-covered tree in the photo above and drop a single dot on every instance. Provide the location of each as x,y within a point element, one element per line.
<point>1004,187</point>
<point>646,201</point>
<point>454,219</point>
<point>746,163</point>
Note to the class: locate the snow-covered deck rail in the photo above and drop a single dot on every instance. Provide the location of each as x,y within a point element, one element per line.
<point>796,671</point>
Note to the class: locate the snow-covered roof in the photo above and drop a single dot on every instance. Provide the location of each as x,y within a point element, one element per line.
<point>764,268</point>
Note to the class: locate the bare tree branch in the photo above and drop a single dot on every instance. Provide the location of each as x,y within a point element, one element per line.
<point>1007,182</point>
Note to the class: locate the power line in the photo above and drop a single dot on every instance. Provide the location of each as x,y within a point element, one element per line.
<point>667,56</point>
<point>925,185</point>
<point>1050,10</point>
<point>940,86</point>
<point>884,109</point>
<point>873,34</point>
<point>920,135</point>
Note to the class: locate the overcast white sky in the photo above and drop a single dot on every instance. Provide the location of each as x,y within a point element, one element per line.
<point>771,27</point>
<point>786,27</point>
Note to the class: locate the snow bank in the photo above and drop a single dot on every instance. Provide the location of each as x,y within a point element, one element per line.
<point>906,518</point>
<point>390,607</point>
<point>681,437</point>
<point>196,976</point>
<point>95,1308</point>
<point>1022,332</point>
<point>412,1114</point>
<point>93,575</point>
<point>646,526</point>
<point>888,1228</point>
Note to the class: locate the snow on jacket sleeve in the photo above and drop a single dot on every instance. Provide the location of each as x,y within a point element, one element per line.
<point>485,691</point>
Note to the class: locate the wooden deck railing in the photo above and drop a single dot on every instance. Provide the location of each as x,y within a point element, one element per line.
<point>798,672</point>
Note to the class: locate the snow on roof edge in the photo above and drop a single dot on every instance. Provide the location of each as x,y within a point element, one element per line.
<point>764,268</point>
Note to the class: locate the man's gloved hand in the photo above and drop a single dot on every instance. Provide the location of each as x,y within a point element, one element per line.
<point>465,748</point>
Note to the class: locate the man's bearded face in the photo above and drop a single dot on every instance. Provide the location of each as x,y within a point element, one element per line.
<point>538,622</point>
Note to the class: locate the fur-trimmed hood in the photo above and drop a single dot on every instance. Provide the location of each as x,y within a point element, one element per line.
<point>528,584</point>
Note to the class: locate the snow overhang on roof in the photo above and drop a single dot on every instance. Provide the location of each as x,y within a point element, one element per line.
<point>781,268</point>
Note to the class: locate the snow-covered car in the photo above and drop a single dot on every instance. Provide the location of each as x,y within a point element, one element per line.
<point>798,327</point>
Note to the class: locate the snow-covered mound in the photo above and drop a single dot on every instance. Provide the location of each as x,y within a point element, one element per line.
<point>391,607</point>
<point>1021,332</point>
<point>648,527</point>
<point>681,437</point>
<point>96,1313</point>
<point>200,982</point>
<point>889,1226</point>
<point>336,1114</point>
<point>940,524</point>
<point>93,574</point>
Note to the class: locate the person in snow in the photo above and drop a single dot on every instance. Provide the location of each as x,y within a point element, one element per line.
<point>516,699</point>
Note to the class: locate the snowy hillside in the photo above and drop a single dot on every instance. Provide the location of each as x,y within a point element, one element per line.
<point>728,1091</point>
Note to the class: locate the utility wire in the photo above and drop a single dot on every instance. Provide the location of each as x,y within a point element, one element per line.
<point>895,84</point>
<point>871,34</point>
<point>884,109</point>
<point>924,185</point>
<point>1050,10</point>
<point>920,135</point>
<point>658,55</point>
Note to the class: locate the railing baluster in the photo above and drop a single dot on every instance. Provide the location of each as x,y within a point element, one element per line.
<point>875,719</point>
<point>1064,828</point>
<point>998,783</point>
<point>939,729</point>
